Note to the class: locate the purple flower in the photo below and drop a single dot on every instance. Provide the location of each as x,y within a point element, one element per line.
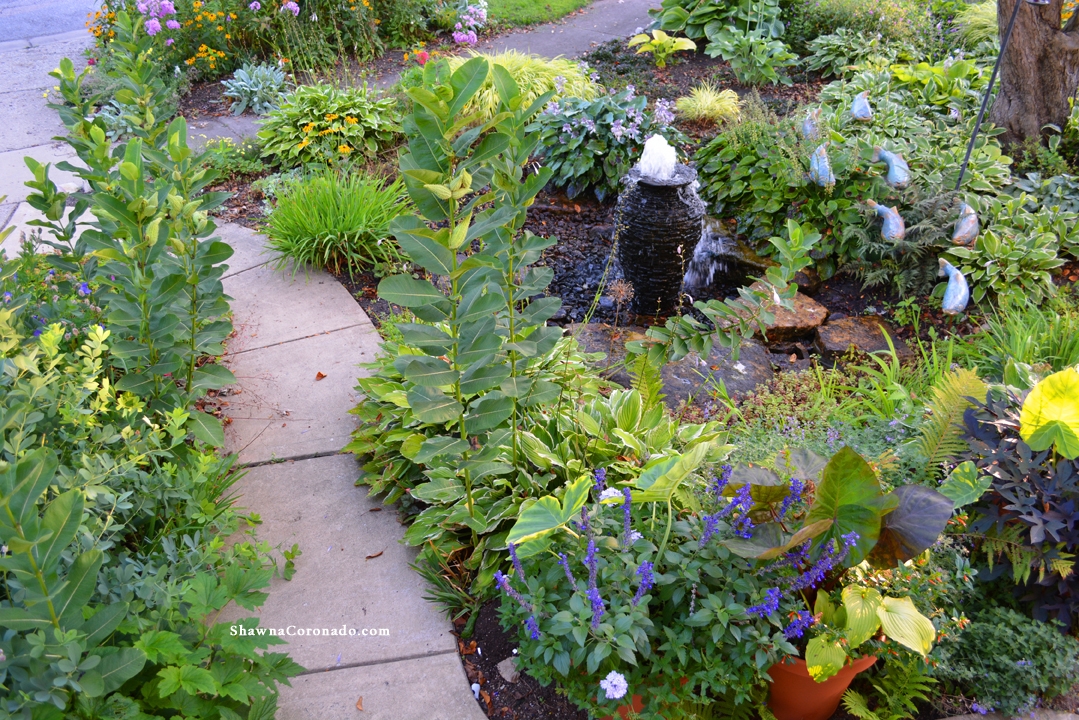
<point>559,84</point>
<point>720,483</point>
<point>7,297</point>
<point>647,581</point>
<point>292,7</point>
<point>84,289</point>
<point>662,113</point>
<point>172,24</point>
<point>167,8</point>
<point>799,624</point>
<point>591,563</point>
<point>833,438</point>
<point>980,709</point>
<point>255,6</point>
<point>553,108</point>
<point>566,127</point>
<point>465,38</point>
<point>569,574</point>
<point>630,92</point>
<point>597,606</point>
<point>769,606</point>
<point>142,7</point>
<point>617,130</point>
<point>504,583</point>
<point>627,520</point>
<point>516,563</point>
<point>614,686</point>
<point>169,41</point>
<point>533,627</point>
<point>711,524</point>
<point>153,26</point>
<point>600,475</point>
<point>794,494</point>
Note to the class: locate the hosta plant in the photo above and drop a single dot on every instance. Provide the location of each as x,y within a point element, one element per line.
<point>842,52</point>
<point>755,57</point>
<point>323,124</point>
<point>660,45</point>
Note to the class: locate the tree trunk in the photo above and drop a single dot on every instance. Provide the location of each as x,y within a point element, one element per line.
<point>1039,71</point>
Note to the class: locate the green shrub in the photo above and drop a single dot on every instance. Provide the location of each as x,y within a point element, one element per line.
<point>893,20</point>
<point>705,102</point>
<point>534,76</point>
<point>591,144</point>
<point>323,124</point>
<point>230,158</point>
<point>336,220</point>
<point>755,57</point>
<point>845,51</point>
<point>259,87</point>
<point>1008,662</point>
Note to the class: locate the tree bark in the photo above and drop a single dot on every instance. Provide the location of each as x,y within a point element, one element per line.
<point>1038,73</point>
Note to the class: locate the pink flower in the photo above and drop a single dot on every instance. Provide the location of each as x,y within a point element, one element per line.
<point>153,26</point>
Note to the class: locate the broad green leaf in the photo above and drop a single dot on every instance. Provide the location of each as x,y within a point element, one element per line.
<point>411,445</point>
<point>440,446</point>
<point>1050,414</point>
<point>543,392</point>
<point>483,378</point>
<point>849,495</point>
<point>765,485</point>
<point>964,485</point>
<point>664,487</point>
<point>407,291</point>
<point>427,371</point>
<point>489,412</point>
<point>442,490</point>
<point>546,515</point>
<point>206,428</point>
<point>23,483</point>
<point>807,532</point>
<point>823,606</point>
<point>507,89</point>
<point>211,377</point>
<point>191,678</point>
<point>103,623</point>
<point>431,405</point>
<point>466,81</point>
<point>79,588</point>
<point>824,658</point>
<point>861,604</point>
<point>765,537</point>
<point>119,667</point>
<point>26,620</point>
<point>62,518</point>
<point>92,684</point>
<point>902,622</point>
<point>415,238</point>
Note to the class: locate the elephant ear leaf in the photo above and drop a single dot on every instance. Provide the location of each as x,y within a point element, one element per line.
<point>543,517</point>
<point>849,495</point>
<point>1050,414</point>
<point>964,485</point>
<point>902,622</point>
<point>915,524</point>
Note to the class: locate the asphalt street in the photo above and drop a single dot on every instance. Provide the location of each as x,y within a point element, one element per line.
<point>24,19</point>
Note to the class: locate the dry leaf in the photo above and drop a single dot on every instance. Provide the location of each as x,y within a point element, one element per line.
<point>487,699</point>
<point>320,376</point>
<point>378,509</point>
<point>793,357</point>
<point>469,649</point>
<point>378,554</point>
<point>359,704</point>
<point>577,208</point>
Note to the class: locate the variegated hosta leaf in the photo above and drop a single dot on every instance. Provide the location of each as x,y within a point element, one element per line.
<point>824,658</point>
<point>862,621</point>
<point>902,622</point>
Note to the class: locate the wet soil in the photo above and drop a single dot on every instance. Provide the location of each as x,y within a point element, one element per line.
<point>525,699</point>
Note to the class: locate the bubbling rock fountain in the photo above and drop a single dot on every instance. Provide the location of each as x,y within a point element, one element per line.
<point>659,222</point>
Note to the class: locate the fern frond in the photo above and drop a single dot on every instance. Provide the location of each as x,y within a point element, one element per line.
<point>647,380</point>
<point>941,438</point>
<point>858,706</point>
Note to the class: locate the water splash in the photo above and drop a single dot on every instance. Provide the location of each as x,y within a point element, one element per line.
<point>658,160</point>
<point>708,258</point>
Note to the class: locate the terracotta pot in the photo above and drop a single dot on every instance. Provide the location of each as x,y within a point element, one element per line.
<point>794,695</point>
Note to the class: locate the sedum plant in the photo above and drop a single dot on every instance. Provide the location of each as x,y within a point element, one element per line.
<point>661,45</point>
<point>259,87</point>
<point>323,124</point>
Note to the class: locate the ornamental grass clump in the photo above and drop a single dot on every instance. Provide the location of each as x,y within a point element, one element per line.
<point>534,76</point>
<point>706,102</point>
<point>337,221</point>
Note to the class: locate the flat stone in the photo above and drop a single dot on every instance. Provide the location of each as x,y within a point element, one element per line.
<point>863,334</point>
<point>805,317</point>
<point>508,670</point>
<point>14,173</point>
<point>282,409</point>
<point>27,121</point>
<point>691,377</point>
<point>271,306</point>
<point>249,248</point>
<point>354,571</point>
<point>429,688</point>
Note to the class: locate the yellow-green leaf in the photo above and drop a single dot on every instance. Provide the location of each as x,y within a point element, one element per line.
<point>862,604</point>
<point>1050,414</point>
<point>824,658</point>
<point>902,622</point>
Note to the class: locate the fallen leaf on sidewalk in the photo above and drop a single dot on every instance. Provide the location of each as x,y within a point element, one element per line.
<point>320,376</point>
<point>378,509</point>
<point>359,704</point>
<point>372,557</point>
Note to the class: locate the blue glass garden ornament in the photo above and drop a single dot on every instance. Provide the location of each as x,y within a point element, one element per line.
<point>811,125</point>
<point>860,109</point>
<point>893,228</point>
<point>820,167</point>
<point>898,175</point>
<point>967,226</point>
<point>957,293</point>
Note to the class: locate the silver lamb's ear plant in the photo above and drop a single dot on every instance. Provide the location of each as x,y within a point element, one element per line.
<point>259,87</point>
